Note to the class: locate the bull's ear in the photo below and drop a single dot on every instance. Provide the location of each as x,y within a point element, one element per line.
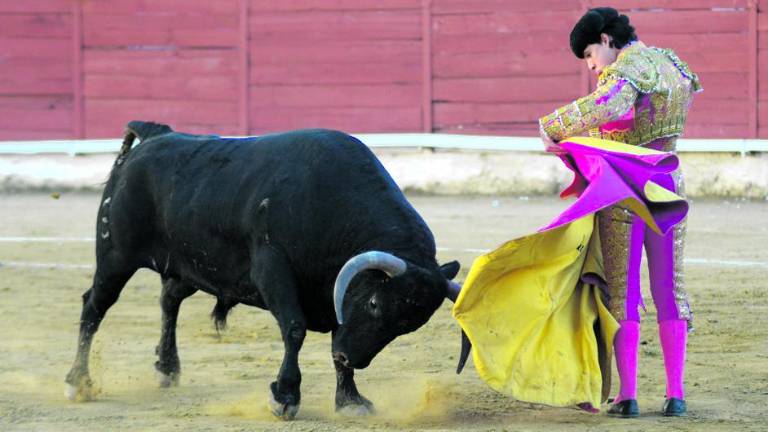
<point>450,270</point>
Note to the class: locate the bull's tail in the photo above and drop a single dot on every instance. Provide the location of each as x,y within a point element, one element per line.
<point>142,130</point>
<point>220,312</point>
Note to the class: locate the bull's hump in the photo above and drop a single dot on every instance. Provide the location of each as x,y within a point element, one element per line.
<point>145,130</point>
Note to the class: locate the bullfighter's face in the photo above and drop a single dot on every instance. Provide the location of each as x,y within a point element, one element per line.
<point>378,309</point>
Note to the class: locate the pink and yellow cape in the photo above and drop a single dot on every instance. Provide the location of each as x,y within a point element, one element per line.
<point>533,308</point>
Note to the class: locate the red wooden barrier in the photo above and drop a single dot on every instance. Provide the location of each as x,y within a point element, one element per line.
<point>74,68</point>
<point>35,70</point>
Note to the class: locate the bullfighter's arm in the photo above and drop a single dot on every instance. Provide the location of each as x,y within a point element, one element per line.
<point>612,99</point>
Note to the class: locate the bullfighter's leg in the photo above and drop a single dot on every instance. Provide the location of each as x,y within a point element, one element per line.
<point>109,279</point>
<point>348,400</point>
<point>168,366</point>
<point>274,278</point>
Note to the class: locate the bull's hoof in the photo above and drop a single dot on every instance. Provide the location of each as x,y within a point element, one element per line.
<point>285,411</point>
<point>355,407</point>
<point>167,380</point>
<point>281,410</point>
<point>83,392</point>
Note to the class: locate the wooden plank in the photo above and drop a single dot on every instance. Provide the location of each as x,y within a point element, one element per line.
<point>354,120</point>
<point>78,128</point>
<point>182,87</point>
<point>338,51</point>
<point>332,5</point>
<point>347,96</point>
<point>35,26</point>
<point>688,21</point>
<point>763,113</point>
<point>508,129</point>
<point>152,63</point>
<point>447,114</point>
<point>36,6</point>
<point>26,118</point>
<point>168,7</point>
<point>106,117</point>
<point>384,71</point>
<point>494,6</point>
<point>15,134</point>
<point>629,5</point>
<point>243,70</point>
<point>25,48</point>
<point>762,38</point>
<point>159,37</point>
<point>160,29</point>
<point>102,131</point>
<point>30,70</point>
<point>39,103</point>
<point>762,66</point>
<point>510,63</point>
<point>507,23</point>
<point>724,86</point>
<point>442,7</point>
<point>37,82</point>
<point>734,60</point>
<point>706,130</point>
<point>762,18</point>
<point>426,66</point>
<point>696,42</point>
<point>471,43</point>
<point>356,25</point>
<point>718,111</point>
<point>752,76</point>
<point>485,90</point>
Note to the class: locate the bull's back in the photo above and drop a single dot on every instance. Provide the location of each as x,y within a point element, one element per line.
<point>201,198</point>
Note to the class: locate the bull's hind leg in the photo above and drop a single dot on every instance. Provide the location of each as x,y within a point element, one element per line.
<point>277,285</point>
<point>349,401</point>
<point>168,366</point>
<point>108,281</point>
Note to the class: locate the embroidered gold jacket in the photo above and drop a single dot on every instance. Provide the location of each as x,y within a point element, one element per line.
<point>643,96</point>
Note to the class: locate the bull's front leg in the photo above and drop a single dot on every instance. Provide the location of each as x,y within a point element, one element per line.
<point>277,285</point>
<point>349,401</point>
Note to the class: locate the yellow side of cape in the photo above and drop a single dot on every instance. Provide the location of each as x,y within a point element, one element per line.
<point>532,322</point>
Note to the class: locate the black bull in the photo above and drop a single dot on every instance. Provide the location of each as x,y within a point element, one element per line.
<point>306,224</point>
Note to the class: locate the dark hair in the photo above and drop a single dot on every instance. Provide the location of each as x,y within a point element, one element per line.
<point>597,21</point>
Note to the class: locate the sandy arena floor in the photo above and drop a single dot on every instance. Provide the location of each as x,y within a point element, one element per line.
<point>225,377</point>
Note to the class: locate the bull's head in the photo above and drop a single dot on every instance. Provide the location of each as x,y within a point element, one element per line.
<point>378,297</point>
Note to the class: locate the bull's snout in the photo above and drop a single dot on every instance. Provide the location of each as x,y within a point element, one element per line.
<point>341,358</point>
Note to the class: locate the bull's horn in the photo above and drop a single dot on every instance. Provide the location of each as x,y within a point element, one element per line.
<point>388,263</point>
<point>452,291</point>
<point>466,347</point>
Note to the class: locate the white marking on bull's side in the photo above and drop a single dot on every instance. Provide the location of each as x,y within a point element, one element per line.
<point>105,235</point>
<point>106,201</point>
<point>167,263</point>
<point>105,219</point>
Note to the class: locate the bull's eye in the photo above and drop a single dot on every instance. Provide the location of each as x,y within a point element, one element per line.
<point>374,305</point>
